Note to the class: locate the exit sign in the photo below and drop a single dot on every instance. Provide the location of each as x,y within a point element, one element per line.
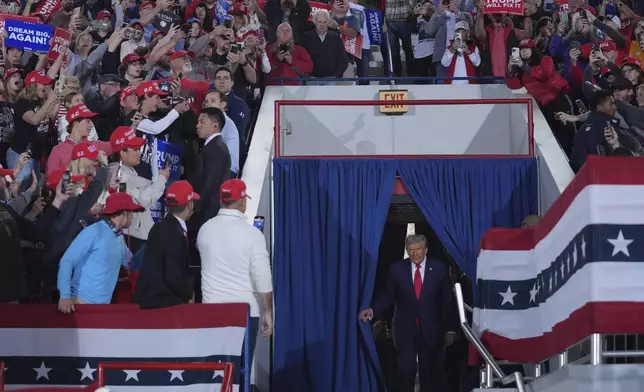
<point>393,95</point>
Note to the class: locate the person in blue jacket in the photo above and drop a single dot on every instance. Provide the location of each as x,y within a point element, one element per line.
<point>90,267</point>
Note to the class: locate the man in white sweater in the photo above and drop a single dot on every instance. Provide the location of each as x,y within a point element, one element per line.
<point>234,260</point>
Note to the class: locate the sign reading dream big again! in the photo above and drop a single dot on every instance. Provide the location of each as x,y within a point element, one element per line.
<point>28,36</point>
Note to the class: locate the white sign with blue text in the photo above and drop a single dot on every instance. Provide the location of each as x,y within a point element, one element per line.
<point>28,36</point>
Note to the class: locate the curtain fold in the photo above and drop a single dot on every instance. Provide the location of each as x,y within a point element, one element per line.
<point>329,218</point>
<point>462,198</point>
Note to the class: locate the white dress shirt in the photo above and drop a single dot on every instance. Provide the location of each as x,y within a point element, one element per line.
<point>234,261</point>
<point>182,223</point>
<point>422,270</point>
<point>214,135</point>
<point>230,136</point>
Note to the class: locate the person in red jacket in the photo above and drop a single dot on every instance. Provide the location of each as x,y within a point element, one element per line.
<point>538,75</point>
<point>287,59</point>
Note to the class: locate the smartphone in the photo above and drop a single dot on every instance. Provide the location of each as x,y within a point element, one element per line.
<point>458,37</point>
<point>186,28</point>
<point>228,23</point>
<point>124,25</point>
<point>595,48</point>
<point>28,150</point>
<point>122,187</point>
<point>615,123</point>
<point>516,53</point>
<point>581,106</point>
<point>259,223</point>
<point>583,14</point>
<point>180,75</point>
<point>601,150</point>
<point>575,45</point>
<point>283,48</point>
<point>67,177</point>
<point>234,49</point>
<point>167,162</point>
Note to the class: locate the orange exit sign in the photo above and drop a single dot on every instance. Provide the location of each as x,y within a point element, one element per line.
<point>394,95</point>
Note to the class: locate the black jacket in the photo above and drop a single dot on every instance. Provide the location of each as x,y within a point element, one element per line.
<point>211,169</point>
<point>590,139</point>
<point>298,19</point>
<point>13,228</point>
<point>108,114</point>
<point>165,278</point>
<point>329,56</point>
<point>74,216</point>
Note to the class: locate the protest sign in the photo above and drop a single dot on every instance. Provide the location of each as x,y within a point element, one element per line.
<point>28,36</point>
<point>514,7</point>
<point>563,6</point>
<point>317,6</point>
<point>173,153</point>
<point>48,8</point>
<point>353,46</point>
<point>60,41</point>
<point>374,26</point>
<point>4,17</point>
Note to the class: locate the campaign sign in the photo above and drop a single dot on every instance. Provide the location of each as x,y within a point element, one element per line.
<point>171,153</point>
<point>563,6</point>
<point>514,7</point>
<point>317,6</point>
<point>48,8</point>
<point>374,26</point>
<point>60,41</point>
<point>28,36</point>
<point>5,17</point>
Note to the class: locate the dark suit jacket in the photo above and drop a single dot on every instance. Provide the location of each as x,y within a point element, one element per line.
<point>436,307</point>
<point>329,57</point>
<point>165,278</point>
<point>211,169</point>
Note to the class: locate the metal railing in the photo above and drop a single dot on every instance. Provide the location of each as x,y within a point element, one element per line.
<point>492,368</point>
<point>390,79</point>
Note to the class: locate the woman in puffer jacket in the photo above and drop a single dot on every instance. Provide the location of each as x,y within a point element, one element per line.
<point>538,75</point>
<point>127,149</point>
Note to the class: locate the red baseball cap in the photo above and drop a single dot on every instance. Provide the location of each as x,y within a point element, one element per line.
<point>604,46</point>
<point>85,150</point>
<point>125,137</point>
<point>78,112</point>
<point>180,193</point>
<point>11,71</point>
<point>7,172</point>
<point>149,87</point>
<point>120,201</point>
<point>131,58</point>
<point>126,92</point>
<point>37,77</point>
<point>233,190</point>
<point>632,61</point>
<point>146,4</point>
<point>527,43</point>
<point>104,14</point>
<point>56,176</point>
<point>176,54</point>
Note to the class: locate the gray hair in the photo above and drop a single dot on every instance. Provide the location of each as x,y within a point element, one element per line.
<point>415,239</point>
<point>321,12</point>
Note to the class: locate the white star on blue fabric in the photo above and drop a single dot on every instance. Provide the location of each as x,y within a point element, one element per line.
<point>563,269</point>
<point>218,373</point>
<point>574,256</point>
<point>43,371</point>
<point>620,244</point>
<point>176,374</point>
<point>508,296</point>
<point>132,375</point>
<point>583,248</point>
<point>533,293</point>
<point>87,372</point>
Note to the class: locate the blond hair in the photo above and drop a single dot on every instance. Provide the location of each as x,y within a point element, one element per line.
<point>29,93</point>
<point>78,167</point>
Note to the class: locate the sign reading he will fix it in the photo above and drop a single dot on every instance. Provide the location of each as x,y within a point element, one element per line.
<point>393,95</point>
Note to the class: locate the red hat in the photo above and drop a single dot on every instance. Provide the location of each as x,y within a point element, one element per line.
<point>233,190</point>
<point>180,193</point>
<point>56,176</point>
<point>120,201</point>
<point>239,11</point>
<point>85,150</point>
<point>590,9</point>
<point>146,4</point>
<point>11,71</point>
<point>131,58</point>
<point>607,46</point>
<point>137,24</point>
<point>78,112</point>
<point>126,92</point>
<point>632,61</point>
<point>7,172</point>
<point>104,14</point>
<point>149,87</point>
<point>125,137</point>
<point>37,77</point>
<point>604,46</point>
<point>175,54</point>
<point>526,43</point>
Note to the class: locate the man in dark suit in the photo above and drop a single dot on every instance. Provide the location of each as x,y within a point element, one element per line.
<point>212,166</point>
<point>425,317</point>
<point>165,277</point>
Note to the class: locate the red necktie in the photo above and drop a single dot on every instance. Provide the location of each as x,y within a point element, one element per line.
<point>418,285</point>
<point>418,281</point>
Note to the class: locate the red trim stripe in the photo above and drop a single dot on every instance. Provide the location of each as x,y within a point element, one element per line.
<point>597,170</point>
<point>125,316</point>
<point>596,317</point>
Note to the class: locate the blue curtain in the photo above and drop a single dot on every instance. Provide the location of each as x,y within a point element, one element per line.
<point>329,219</point>
<point>462,198</point>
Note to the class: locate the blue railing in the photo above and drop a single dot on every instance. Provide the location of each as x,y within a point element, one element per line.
<point>387,79</point>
